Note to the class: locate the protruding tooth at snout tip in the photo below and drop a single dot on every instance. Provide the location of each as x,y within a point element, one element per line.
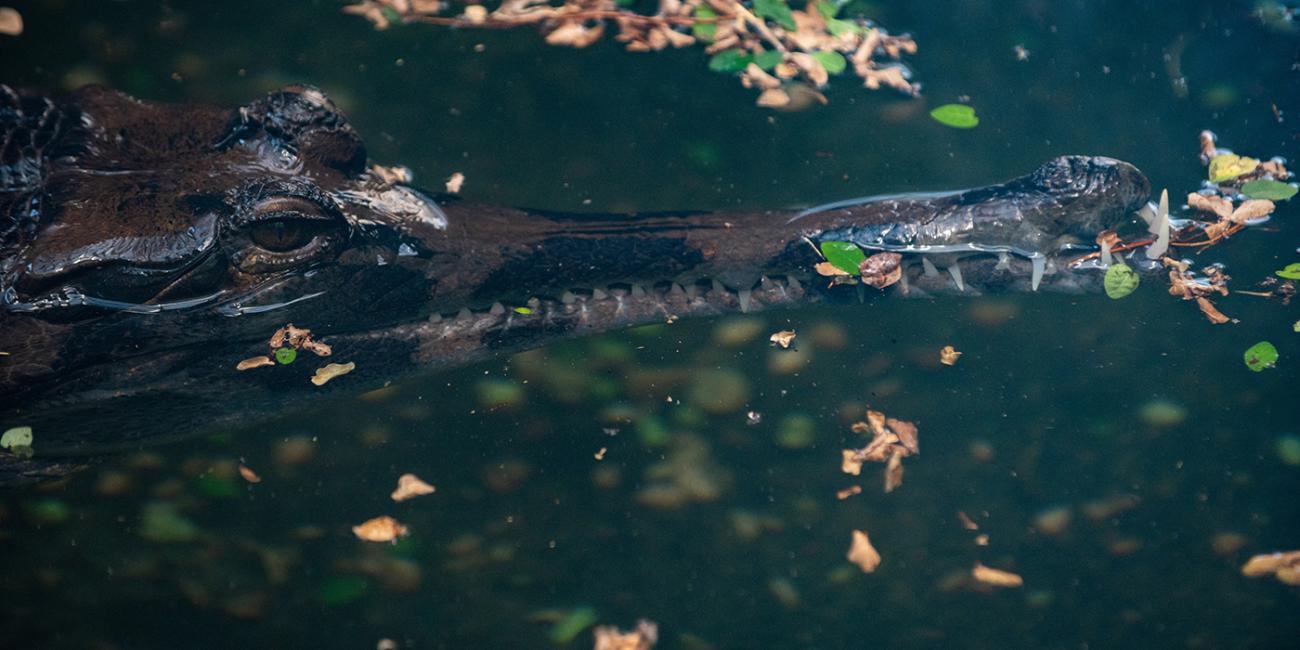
<point>719,287</point>
<point>955,272</point>
<point>766,284</point>
<point>929,268</point>
<point>746,300</point>
<point>1039,264</point>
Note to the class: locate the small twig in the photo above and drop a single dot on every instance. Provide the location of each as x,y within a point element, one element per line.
<point>758,25</point>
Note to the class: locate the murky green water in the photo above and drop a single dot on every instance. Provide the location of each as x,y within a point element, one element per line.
<point>1135,421</point>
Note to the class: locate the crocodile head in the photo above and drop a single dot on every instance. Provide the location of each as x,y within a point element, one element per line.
<point>149,248</point>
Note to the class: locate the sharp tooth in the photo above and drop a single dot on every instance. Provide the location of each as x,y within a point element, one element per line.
<point>1040,266</point>
<point>1004,262</point>
<point>676,289</point>
<point>1160,229</point>
<point>930,271</point>
<point>692,291</point>
<point>745,300</point>
<point>597,294</point>
<point>794,283</point>
<point>766,284</point>
<point>862,294</point>
<point>719,287</point>
<point>638,291</point>
<point>902,280</point>
<point>435,318</point>
<point>568,298</point>
<point>497,309</point>
<point>955,272</point>
<point>464,314</point>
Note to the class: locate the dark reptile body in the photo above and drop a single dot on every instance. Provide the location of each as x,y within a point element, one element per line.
<point>148,204</point>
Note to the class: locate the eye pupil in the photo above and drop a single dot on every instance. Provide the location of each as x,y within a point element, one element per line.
<point>280,235</point>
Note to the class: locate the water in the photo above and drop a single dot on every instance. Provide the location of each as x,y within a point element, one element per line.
<point>1044,411</point>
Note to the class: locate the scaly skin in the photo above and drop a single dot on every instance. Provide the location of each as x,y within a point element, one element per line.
<point>147,248</point>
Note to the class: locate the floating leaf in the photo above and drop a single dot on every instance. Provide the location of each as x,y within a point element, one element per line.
<point>730,61</point>
<point>777,11</point>
<point>705,31</point>
<point>523,310</point>
<point>836,26</point>
<point>768,59</point>
<point>828,8</point>
<point>958,116</point>
<point>1260,356</point>
<point>843,255</point>
<point>569,627</point>
<point>1120,281</point>
<point>285,356</point>
<point>1296,327</point>
<point>16,437</point>
<point>833,61</point>
<point>1267,188</point>
<point>1227,166</point>
<point>1291,272</point>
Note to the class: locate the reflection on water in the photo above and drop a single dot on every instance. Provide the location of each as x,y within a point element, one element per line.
<point>1116,454</point>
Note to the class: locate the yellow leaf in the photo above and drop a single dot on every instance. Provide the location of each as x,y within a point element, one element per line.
<point>1225,167</point>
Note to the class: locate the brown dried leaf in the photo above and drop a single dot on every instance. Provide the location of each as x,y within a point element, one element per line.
<point>391,175</point>
<point>454,182</point>
<point>1252,209</point>
<point>1213,204</point>
<point>851,462</point>
<point>410,486</point>
<point>575,34</point>
<point>894,471</point>
<point>248,474</point>
<point>881,269</point>
<point>380,529</point>
<point>330,371</point>
<point>860,427</point>
<point>1277,169</point>
<point>784,338</point>
<point>317,348</point>
<point>906,435</point>
<point>877,421</point>
<point>644,637</point>
<point>1261,565</point>
<point>995,577</point>
<point>756,77</point>
<point>966,521</point>
<point>829,270</point>
<point>1210,312</point>
<point>254,362</point>
<point>848,492</point>
<point>777,98</point>
<point>948,355</point>
<point>11,22</point>
<point>1208,150</point>
<point>862,553</point>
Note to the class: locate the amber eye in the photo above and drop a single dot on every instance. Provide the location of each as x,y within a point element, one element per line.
<point>282,235</point>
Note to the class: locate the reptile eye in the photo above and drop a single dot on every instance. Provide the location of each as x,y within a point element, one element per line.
<point>282,235</point>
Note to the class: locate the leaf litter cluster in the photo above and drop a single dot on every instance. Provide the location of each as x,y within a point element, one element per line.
<point>785,52</point>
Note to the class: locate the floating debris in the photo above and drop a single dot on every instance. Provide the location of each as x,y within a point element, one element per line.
<point>881,270</point>
<point>410,486</point>
<point>1283,566</point>
<point>849,491</point>
<point>600,453</point>
<point>966,521</point>
<point>454,182</point>
<point>958,116</point>
<point>395,175</point>
<point>892,441</point>
<point>948,355</point>
<point>380,529</point>
<point>330,371</point>
<point>248,474</point>
<point>643,637</point>
<point>995,577</point>
<point>784,338</point>
<point>862,553</point>
<point>1260,356</point>
<point>11,22</point>
<point>255,362</point>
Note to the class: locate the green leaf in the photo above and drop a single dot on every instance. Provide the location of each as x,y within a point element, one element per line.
<point>1227,166</point>
<point>768,59</point>
<point>833,61</point>
<point>730,61</point>
<point>391,15</point>
<point>828,8</point>
<point>285,356</point>
<point>777,11</point>
<point>523,310</point>
<point>836,26</point>
<point>958,116</point>
<point>1290,272</point>
<point>1267,188</point>
<point>1260,356</point>
<point>843,255</point>
<point>1120,281</point>
<point>705,31</point>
